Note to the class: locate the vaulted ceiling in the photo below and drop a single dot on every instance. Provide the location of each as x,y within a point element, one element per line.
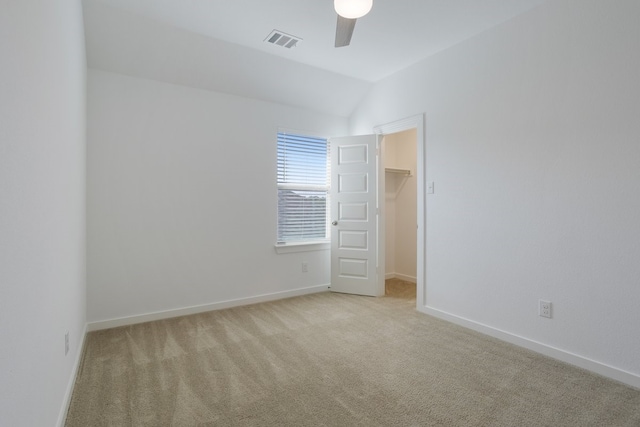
<point>219,45</point>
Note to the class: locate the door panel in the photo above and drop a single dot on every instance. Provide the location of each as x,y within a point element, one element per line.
<point>353,201</point>
<point>353,211</point>
<point>352,183</point>
<point>352,240</point>
<point>356,153</point>
<point>350,267</point>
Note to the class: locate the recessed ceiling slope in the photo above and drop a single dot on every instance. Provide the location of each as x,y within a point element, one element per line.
<point>394,35</point>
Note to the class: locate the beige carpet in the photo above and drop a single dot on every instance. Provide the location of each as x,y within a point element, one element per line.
<point>331,360</point>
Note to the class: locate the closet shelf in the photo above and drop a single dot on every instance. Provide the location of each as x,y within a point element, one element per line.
<point>405,172</point>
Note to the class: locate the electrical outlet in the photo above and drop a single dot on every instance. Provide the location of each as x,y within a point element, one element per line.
<point>66,343</point>
<point>305,266</point>
<point>544,308</point>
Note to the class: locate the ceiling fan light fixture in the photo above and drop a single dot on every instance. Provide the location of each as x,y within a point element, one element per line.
<point>352,9</point>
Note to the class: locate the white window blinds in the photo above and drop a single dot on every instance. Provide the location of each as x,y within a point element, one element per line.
<point>303,185</point>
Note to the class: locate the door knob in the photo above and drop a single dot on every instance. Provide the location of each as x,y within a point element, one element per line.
<point>334,223</point>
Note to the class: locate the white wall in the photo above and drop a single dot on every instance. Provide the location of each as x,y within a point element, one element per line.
<point>532,137</point>
<point>42,207</point>
<point>182,198</point>
<point>401,206</point>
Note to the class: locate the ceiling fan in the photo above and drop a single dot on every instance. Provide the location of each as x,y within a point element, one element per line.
<point>348,12</point>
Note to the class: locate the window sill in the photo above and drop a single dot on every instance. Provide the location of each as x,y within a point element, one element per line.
<point>287,248</point>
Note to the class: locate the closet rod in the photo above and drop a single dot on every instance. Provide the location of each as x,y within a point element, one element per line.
<point>398,171</point>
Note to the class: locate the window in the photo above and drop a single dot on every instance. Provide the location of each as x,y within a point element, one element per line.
<point>303,185</point>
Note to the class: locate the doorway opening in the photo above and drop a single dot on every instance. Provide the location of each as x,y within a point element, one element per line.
<point>400,212</point>
<point>411,132</point>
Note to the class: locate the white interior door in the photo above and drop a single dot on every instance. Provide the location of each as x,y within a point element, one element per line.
<point>354,220</point>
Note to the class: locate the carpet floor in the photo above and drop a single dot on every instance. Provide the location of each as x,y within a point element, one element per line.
<point>331,360</point>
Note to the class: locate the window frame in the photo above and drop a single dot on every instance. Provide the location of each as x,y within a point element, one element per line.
<point>308,244</point>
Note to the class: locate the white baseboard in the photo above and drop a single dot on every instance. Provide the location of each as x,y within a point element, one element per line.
<point>159,315</point>
<point>401,277</point>
<point>611,372</point>
<point>62,416</point>
<point>406,278</point>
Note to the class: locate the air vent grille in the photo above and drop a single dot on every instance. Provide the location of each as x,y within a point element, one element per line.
<point>282,39</point>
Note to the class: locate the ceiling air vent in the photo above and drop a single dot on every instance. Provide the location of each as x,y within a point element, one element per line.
<point>282,39</point>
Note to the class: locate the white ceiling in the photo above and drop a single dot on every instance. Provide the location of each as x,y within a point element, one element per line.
<point>219,44</point>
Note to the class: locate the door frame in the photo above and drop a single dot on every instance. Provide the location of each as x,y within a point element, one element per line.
<point>417,122</point>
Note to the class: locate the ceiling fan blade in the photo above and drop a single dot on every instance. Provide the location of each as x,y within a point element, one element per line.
<point>344,31</point>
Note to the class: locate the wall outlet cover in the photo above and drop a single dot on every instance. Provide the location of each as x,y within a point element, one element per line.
<point>544,308</point>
